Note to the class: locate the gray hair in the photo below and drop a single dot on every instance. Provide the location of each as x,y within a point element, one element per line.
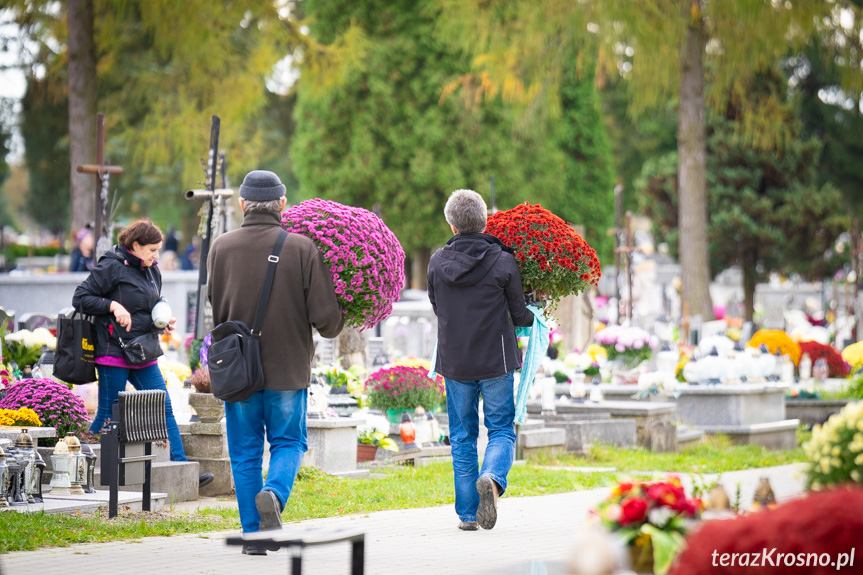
<point>267,206</point>
<point>465,210</point>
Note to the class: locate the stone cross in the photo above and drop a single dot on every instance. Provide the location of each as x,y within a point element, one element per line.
<point>103,174</point>
<point>628,250</point>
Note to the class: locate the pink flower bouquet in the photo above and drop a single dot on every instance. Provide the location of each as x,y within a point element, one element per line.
<point>364,256</point>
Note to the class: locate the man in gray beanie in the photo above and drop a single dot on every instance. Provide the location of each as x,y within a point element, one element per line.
<point>302,298</point>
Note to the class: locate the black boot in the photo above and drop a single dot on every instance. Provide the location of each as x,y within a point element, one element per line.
<point>205,479</point>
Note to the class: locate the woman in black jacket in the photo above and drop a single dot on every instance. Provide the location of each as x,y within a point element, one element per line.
<point>120,293</point>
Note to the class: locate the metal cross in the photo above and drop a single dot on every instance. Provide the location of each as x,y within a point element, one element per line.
<point>103,174</point>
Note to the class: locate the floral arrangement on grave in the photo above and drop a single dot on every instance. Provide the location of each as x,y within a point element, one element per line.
<point>21,417</point>
<point>200,380</point>
<point>838,367</point>
<point>853,354</point>
<point>834,455</point>
<point>824,524</point>
<point>631,345</point>
<point>54,404</point>
<point>379,438</point>
<point>652,518</point>
<point>349,381</point>
<point>587,362</point>
<point>404,388</point>
<point>554,260</point>
<point>24,347</point>
<point>776,339</point>
<point>173,372</point>
<point>365,258</point>
<point>193,349</point>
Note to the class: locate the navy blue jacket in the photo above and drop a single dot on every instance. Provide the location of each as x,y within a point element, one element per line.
<point>475,289</point>
<point>119,276</point>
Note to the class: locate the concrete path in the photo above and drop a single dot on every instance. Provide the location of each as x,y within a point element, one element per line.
<point>533,535</point>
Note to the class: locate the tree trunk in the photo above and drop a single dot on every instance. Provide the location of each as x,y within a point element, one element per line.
<point>419,271</point>
<point>691,178</point>
<point>749,281</point>
<point>82,110</point>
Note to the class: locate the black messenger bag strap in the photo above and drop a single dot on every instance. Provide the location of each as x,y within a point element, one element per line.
<point>273,259</point>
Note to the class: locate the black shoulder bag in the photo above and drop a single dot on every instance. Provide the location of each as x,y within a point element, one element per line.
<point>234,360</point>
<point>75,359</point>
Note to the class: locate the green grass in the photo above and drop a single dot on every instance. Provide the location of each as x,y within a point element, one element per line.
<point>715,455</point>
<point>315,495</point>
<point>29,531</point>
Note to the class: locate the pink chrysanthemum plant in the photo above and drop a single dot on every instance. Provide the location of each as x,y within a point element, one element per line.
<point>365,258</point>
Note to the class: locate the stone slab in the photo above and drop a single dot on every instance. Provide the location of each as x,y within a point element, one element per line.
<point>739,404</point>
<point>773,435</point>
<point>201,428</point>
<point>223,478</point>
<point>614,408</point>
<point>813,411</point>
<point>88,502</point>
<point>178,479</point>
<point>10,432</point>
<point>545,437</point>
<point>332,444</point>
<point>205,446</point>
<point>580,435</point>
<point>688,436</point>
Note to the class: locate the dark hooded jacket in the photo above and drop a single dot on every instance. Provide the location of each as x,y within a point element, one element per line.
<point>119,276</point>
<point>302,298</point>
<point>475,289</point>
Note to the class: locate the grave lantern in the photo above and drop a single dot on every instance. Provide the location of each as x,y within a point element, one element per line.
<point>46,362</point>
<point>78,471</point>
<point>711,368</point>
<point>24,444</point>
<point>4,479</point>
<point>62,462</point>
<point>666,359</point>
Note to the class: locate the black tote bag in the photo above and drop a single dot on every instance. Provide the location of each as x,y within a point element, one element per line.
<point>75,358</point>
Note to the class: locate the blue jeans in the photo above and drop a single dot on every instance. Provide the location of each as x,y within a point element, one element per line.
<point>282,414</point>
<point>112,380</point>
<point>462,403</point>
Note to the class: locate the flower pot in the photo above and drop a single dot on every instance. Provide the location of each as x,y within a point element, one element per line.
<point>366,452</point>
<point>395,415</point>
<point>209,408</point>
<point>641,558</point>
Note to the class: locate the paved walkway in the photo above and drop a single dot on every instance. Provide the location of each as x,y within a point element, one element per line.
<point>533,535</point>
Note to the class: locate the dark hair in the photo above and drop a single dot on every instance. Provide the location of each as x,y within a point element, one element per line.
<point>143,231</point>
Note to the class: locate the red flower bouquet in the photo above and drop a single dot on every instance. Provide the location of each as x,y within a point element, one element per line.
<point>838,366</point>
<point>651,517</point>
<point>554,260</point>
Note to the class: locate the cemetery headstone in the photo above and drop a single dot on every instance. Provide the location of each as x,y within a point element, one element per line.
<point>325,351</point>
<point>9,317</point>
<point>32,321</point>
<point>376,355</point>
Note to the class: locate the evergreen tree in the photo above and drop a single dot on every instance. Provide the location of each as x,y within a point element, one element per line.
<point>45,130</point>
<point>767,210</point>
<point>386,138</point>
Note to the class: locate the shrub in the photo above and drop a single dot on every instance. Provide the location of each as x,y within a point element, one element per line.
<point>53,402</point>
<point>835,452</point>
<point>200,380</point>
<point>403,387</point>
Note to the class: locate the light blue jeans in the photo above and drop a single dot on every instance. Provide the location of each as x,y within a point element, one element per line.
<point>282,415</point>
<point>462,403</point>
<point>112,380</point>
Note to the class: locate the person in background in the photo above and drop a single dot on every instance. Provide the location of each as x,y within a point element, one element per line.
<point>302,298</point>
<point>120,293</point>
<point>82,256</point>
<point>474,286</point>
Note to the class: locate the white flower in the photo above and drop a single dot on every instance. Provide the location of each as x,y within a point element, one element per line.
<point>660,516</point>
<point>612,512</point>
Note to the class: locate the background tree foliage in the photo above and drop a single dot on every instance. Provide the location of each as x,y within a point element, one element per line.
<point>768,211</point>
<point>387,137</point>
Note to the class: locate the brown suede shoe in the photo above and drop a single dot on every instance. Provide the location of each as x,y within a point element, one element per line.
<point>468,526</point>
<point>486,513</point>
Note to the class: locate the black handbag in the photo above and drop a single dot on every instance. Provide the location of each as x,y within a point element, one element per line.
<point>75,357</point>
<point>234,360</point>
<point>142,349</point>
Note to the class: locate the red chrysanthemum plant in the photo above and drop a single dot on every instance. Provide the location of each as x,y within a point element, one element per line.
<point>554,259</point>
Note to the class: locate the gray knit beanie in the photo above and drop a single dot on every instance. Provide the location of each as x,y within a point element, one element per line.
<point>261,186</point>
